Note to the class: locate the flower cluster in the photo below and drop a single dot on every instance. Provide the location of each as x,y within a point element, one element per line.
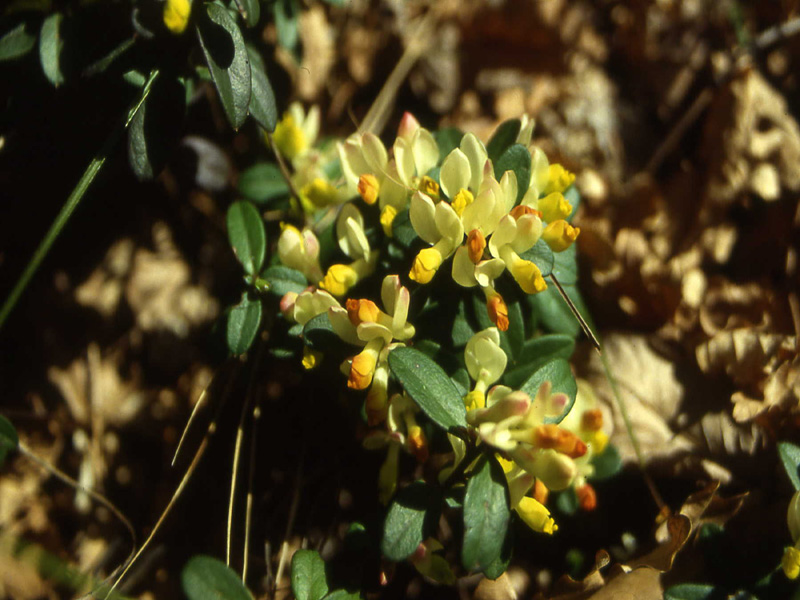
<point>541,456</point>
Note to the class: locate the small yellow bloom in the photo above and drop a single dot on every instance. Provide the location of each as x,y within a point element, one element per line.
<point>558,179</point>
<point>536,516</point>
<point>418,443</point>
<point>319,193</point>
<point>388,214</point>
<point>176,15</point>
<point>560,235</point>
<point>554,207</point>
<point>505,463</point>
<point>597,440</point>
<point>791,562</point>
<point>430,187</point>
<point>474,400</point>
<point>311,358</point>
<point>425,265</point>
<point>289,137</point>
<point>462,200</point>
<point>362,311</point>
<point>339,279</point>
<point>528,276</point>
<point>368,188</point>
<point>362,370</point>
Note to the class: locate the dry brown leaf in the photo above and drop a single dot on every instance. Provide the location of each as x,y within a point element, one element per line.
<point>567,588</point>
<point>643,583</point>
<point>318,41</point>
<point>495,589</point>
<point>761,142</point>
<point>103,289</point>
<point>159,289</point>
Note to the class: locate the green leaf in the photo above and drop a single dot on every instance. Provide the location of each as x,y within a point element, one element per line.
<point>505,136</point>
<point>462,331</point>
<point>262,182</point>
<point>555,315</point>
<point>515,158</point>
<point>8,438</point>
<point>402,231</point>
<point>694,591</point>
<point>226,56</point>
<point>250,11</point>
<point>16,43</point>
<point>500,565</point>
<point>790,457</point>
<point>244,320</point>
<point>50,44</point>
<point>262,100</point>
<point>205,577</point>
<point>565,265</point>
<point>286,22</point>
<point>515,335</point>
<point>308,575</point>
<point>535,353</point>
<point>486,515</point>
<point>560,375</point>
<point>606,464</point>
<point>566,501</point>
<point>318,333</point>
<point>247,236</point>
<point>429,386</point>
<point>573,196</point>
<point>448,139</point>
<point>542,256</point>
<point>342,594</point>
<point>156,128</point>
<point>412,517</point>
<point>283,280</point>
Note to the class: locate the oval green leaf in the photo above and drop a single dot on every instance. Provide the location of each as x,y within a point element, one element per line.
<point>262,99</point>
<point>16,42</point>
<point>448,139</point>
<point>226,56</point>
<point>50,44</point>
<point>402,231</point>
<point>503,137</point>
<point>573,196</point>
<point>247,236</point>
<point>559,374</point>
<point>287,14</point>
<point>695,591</point>
<point>412,517</point>
<point>8,438</point>
<point>790,457</point>
<point>262,182</point>
<point>308,575</point>
<point>429,386</point>
<point>537,352</point>
<point>250,11</point>
<point>486,515</point>
<point>565,265</point>
<point>283,280</point>
<point>515,158</point>
<point>244,320</point>
<point>607,464</point>
<point>342,595</point>
<point>318,334</point>
<point>205,577</point>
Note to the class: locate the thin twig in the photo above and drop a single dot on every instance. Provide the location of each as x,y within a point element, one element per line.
<point>59,474</point>
<point>250,479</point>
<point>581,321</point>
<point>186,427</point>
<point>298,482</point>
<point>287,176</point>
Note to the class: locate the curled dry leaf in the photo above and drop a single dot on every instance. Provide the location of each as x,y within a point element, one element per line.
<point>762,142</point>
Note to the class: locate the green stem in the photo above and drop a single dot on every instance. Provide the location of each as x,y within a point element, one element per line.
<point>69,206</point>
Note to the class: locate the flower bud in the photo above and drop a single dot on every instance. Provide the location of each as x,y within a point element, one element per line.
<point>368,188</point>
<point>554,207</point>
<point>536,516</point>
<point>176,15</point>
<point>426,263</point>
<point>560,235</point>
<point>339,279</point>
<point>498,311</point>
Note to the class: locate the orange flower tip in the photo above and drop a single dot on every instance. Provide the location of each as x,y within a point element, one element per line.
<point>419,554</point>
<point>498,312</point>
<point>592,419</point>
<point>361,372</point>
<point>587,497</point>
<point>520,211</point>
<point>540,492</point>
<point>368,188</point>
<point>476,244</point>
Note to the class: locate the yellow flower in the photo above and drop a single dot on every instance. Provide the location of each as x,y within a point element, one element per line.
<point>429,186</point>
<point>425,266</point>
<point>560,235</point>
<point>791,562</point>
<point>311,358</point>
<point>558,179</point>
<point>289,137</point>
<point>462,200</point>
<point>176,15</point>
<point>339,279</point>
<point>363,367</point>
<point>319,193</point>
<point>388,214</point>
<point>536,515</point>
<point>554,207</point>
<point>368,188</point>
<point>474,400</point>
